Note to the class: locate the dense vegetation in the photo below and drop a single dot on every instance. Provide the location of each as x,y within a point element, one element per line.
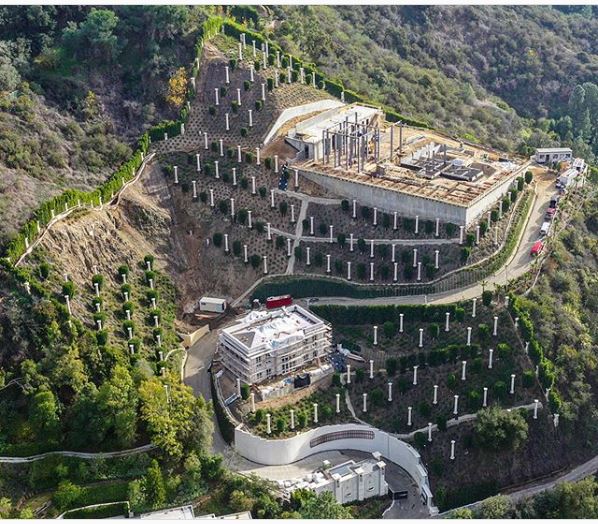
<point>475,71</point>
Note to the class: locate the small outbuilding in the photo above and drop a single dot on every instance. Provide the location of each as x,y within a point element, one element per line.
<point>212,305</point>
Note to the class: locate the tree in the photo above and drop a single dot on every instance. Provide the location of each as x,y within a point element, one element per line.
<point>177,88</point>
<point>323,506</point>
<point>67,495</point>
<point>389,329</point>
<point>495,507</point>
<point>117,400</point>
<point>178,422</point>
<point>487,298</point>
<point>496,429</point>
<point>43,416</point>
<point>153,486</point>
<point>94,38</point>
<point>461,513</point>
<point>240,501</point>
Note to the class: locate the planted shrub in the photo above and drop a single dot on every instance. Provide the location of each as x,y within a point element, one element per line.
<point>68,288</point>
<point>212,110</point>
<point>243,131</point>
<point>123,270</point>
<point>217,239</point>
<point>246,85</point>
<point>255,261</point>
<point>262,191</point>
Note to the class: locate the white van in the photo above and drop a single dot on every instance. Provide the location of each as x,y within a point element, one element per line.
<point>544,229</point>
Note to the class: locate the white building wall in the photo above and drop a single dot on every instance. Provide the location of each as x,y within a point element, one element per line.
<point>277,452</point>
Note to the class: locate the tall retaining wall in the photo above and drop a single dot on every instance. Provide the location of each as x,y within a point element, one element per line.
<point>277,452</point>
<point>390,201</point>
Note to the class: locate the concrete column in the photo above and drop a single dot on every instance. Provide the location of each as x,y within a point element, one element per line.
<point>239,96</point>
<point>240,51</point>
<point>469,336</point>
<point>516,322</point>
<point>348,270</point>
<point>555,420</point>
<point>494,330</point>
<point>276,163</point>
<point>225,242</point>
<point>354,214</point>
<point>311,226</point>
<point>254,50</point>
<point>268,423</point>
<point>269,231</point>
<point>416,224</point>
<point>375,216</point>
<point>176,174</point>
<point>435,400</point>
<point>331,234</point>
<point>390,392</point>
<point>292,213</point>
<point>239,157</point>
<point>226,75</point>
<point>205,140</point>
<point>338,403</point>
<point>307,260</point>
<point>250,117</point>
<point>395,276</point>
<point>292,419</point>
<point>485,398</point>
<point>507,301</point>
<point>415,257</point>
<point>429,432</point>
<point>371,369</point>
<point>436,253</point>
<point>452,450</point>
<point>461,231</point>
<point>216,99</point>
<point>251,72</point>
<point>409,413</point>
<point>512,390</point>
<point>351,242</point>
<point>328,264</point>
<point>296,179</point>
<point>263,92</point>
<point>401,318</point>
<point>365,403</point>
<point>437,232</point>
<point>265,258</point>
<point>473,306</point>
<point>348,373</point>
<point>371,271</point>
<point>216,169</point>
<point>232,208</point>
<point>447,317</point>
<point>490,355</point>
<point>536,402</point>
<point>393,253</point>
<point>315,404</point>
<point>526,348</point>
<point>375,335</point>
<point>272,205</point>
<point>477,234</point>
<point>198,162</point>
<point>372,248</point>
<point>463,369</point>
<point>245,257</point>
<point>234,170</point>
<point>421,337</point>
<point>249,223</point>
<point>419,271</point>
<point>289,252</point>
<point>456,405</point>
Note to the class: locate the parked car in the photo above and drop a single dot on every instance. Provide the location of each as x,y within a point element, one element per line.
<point>545,229</point>
<point>549,215</point>
<point>537,248</point>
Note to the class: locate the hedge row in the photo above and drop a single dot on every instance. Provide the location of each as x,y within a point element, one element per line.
<point>351,315</point>
<point>227,428</point>
<point>334,87</point>
<point>547,371</point>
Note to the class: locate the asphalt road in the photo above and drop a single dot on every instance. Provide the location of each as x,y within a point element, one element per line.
<point>517,264</point>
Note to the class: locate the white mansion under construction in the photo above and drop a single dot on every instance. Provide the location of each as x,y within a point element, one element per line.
<point>269,343</point>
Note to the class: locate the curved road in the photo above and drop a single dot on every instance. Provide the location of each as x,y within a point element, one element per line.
<point>517,265</point>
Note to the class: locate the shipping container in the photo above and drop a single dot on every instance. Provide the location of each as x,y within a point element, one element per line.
<point>212,305</point>
<point>279,301</point>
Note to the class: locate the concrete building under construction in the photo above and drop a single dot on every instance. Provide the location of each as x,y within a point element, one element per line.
<point>355,153</point>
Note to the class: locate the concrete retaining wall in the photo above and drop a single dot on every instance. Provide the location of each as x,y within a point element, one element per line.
<point>330,438</point>
<point>390,201</point>
<point>305,109</point>
<point>191,338</point>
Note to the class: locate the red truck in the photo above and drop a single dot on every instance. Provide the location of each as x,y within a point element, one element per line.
<point>537,248</point>
<point>280,301</point>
